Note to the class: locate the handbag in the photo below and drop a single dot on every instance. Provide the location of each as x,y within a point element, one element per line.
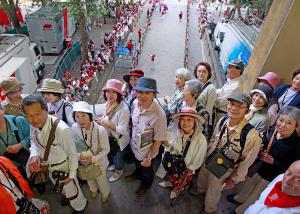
<point>88,172</point>
<point>218,164</point>
<point>21,157</point>
<point>175,164</point>
<point>258,163</point>
<point>42,176</point>
<point>114,145</point>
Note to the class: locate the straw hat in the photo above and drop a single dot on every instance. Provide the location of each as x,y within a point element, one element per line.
<point>51,85</point>
<point>10,84</point>
<point>188,111</point>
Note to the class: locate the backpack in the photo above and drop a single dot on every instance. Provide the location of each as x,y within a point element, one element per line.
<point>244,132</point>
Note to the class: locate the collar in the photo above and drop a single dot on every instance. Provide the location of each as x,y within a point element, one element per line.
<point>240,78</point>
<point>59,102</point>
<point>237,128</point>
<point>46,126</point>
<point>151,108</point>
<point>12,127</point>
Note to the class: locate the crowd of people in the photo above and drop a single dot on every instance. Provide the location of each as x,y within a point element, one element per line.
<point>225,138</point>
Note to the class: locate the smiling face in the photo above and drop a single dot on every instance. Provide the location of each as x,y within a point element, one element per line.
<point>202,74</point>
<point>233,72</point>
<point>236,110</point>
<point>133,81</point>
<point>258,100</point>
<point>14,96</point>
<point>296,83</point>
<point>186,123</point>
<point>285,126</point>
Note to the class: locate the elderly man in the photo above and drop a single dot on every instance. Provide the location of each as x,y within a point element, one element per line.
<point>232,150</point>
<point>12,89</point>
<point>234,84</point>
<point>149,130</point>
<point>62,154</point>
<point>282,195</point>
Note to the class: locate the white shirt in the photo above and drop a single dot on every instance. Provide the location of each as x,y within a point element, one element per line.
<point>260,208</point>
<point>58,108</point>
<point>232,86</point>
<point>153,118</point>
<point>63,147</point>
<point>121,120</point>
<point>97,139</point>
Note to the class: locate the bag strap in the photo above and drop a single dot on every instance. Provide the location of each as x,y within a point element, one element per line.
<point>205,85</point>
<point>188,143</point>
<point>64,116</point>
<point>50,139</point>
<point>16,131</point>
<point>271,142</point>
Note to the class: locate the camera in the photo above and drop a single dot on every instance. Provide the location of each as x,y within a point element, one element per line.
<point>26,206</point>
<point>59,175</point>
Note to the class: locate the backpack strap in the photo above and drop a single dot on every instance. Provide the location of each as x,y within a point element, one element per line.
<point>246,129</point>
<point>64,116</point>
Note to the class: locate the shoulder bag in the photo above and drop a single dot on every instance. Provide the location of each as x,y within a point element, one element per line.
<point>42,176</point>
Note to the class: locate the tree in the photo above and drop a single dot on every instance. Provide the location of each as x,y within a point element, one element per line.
<point>11,7</point>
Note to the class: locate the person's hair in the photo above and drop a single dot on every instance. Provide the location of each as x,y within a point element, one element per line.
<point>59,95</point>
<point>90,115</point>
<point>34,98</point>
<point>296,72</point>
<point>194,87</point>
<point>119,96</point>
<point>292,112</point>
<point>183,72</point>
<point>206,65</point>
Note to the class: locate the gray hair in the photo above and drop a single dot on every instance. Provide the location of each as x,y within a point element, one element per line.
<point>183,72</point>
<point>34,98</point>
<point>194,86</point>
<point>292,112</point>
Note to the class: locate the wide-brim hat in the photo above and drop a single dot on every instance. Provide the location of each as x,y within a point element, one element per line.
<point>82,106</point>
<point>113,85</point>
<point>265,91</point>
<point>9,85</point>
<point>188,111</point>
<point>146,84</point>
<point>136,72</point>
<point>238,63</point>
<point>51,85</point>
<point>241,97</point>
<point>272,78</point>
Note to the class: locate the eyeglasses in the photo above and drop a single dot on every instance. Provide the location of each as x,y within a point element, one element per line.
<point>15,91</point>
<point>237,106</point>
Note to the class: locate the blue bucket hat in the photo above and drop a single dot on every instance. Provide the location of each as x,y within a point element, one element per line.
<point>146,84</point>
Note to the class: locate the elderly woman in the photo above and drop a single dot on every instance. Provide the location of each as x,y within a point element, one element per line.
<point>258,115</point>
<point>12,89</point>
<point>192,90</point>
<point>187,141</point>
<point>289,95</point>
<point>15,139</point>
<point>92,147</point>
<point>116,122</point>
<point>281,149</point>
<point>131,81</point>
<point>173,103</point>
<point>208,96</point>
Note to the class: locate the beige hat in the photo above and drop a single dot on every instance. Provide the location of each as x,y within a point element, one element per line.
<point>10,84</point>
<point>82,107</point>
<point>51,85</point>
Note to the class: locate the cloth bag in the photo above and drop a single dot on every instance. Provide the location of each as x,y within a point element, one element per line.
<point>42,176</point>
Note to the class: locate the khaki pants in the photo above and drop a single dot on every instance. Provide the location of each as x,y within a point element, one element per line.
<point>250,192</point>
<point>213,187</point>
<point>100,183</point>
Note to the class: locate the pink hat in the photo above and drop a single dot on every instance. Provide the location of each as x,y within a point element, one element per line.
<point>113,85</point>
<point>272,78</point>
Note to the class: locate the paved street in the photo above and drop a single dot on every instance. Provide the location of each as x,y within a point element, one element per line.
<point>166,40</point>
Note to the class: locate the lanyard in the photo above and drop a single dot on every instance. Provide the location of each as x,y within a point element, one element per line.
<point>85,137</point>
<point>3,141</point>
<point>59,107</point>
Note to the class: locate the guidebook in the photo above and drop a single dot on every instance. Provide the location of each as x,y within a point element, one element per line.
<point>145,139</point>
